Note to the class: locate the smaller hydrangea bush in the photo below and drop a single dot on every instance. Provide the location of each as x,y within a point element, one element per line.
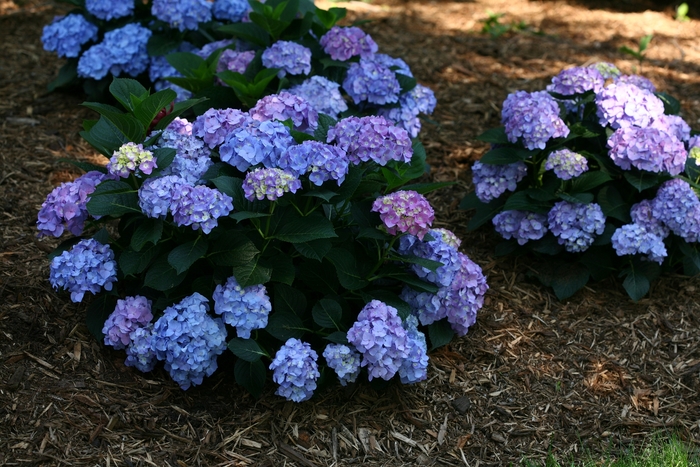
<point>236,52</point>
<point>309,254</point>
<point>597,175</point>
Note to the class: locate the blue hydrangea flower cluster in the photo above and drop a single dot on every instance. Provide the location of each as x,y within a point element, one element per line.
<point>642,214</point>
<point>87,267</point>
<point>322,94</point>
<point>159,68</point>
<point>344,361</point>
<point>371,138</point>
<point>321,161</point>
<point>161,195</point>
<point>415,366</point>
<point>109,9</point>
<point>122,50</point>
<point>65,207</point>
<point>286,106</point>
<point>370,81</point>
<point>673,125</point>
<point>245,309</point>
<point>192,157</point>
<point>201,207</point>
<point>405,211</point>
<point>397,64</point>
<point>295,370</point>
<point>436,249</point>
<point>234,60</point>
<point>640,81</point>
<point>140,352</point>
<point>189,340</point>
<point>576,225</point>
<point>577,80</point>
<point>418,100</point>
<point>230,10</point>
<point>647,149</point>
<point>378,334</point>
<point>566,164</point>
<point>257,143</point>
<point>621,105</point>
<point>182,14</point>
<point>289,57</point>
<point>534,117</point>
<point>520,225</point>
<point>447,236</point>
<point>130,314</point>
<point>272,183</point>
<point>343,43</point>
<point>607,70</point>
<point>214,124</point>
<point>632,239</point>
<point>212,47</point>
<point>676,205</point>
<point>130,157</point>
<point>66,35</point>
<point>491,181</point>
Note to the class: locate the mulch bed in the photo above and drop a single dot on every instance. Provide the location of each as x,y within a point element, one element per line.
<point>591,375</point>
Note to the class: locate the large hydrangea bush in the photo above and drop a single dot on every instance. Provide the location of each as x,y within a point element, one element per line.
<point>597,175</point>
<point>301,243</point>
<point>236,52</point>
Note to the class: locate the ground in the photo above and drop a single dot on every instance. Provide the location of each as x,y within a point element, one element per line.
<point>594,374</point>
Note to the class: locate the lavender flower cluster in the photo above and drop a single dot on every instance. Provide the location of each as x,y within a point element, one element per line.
<point>182,14</point>
<point>405,211</point>
<point>295,370</point>
<point>576,225</point>
<point>290,57</point>
<point>371,138</point>
<point>245,308</point>
<point>87,267</point>
<point>66,35</point>
<point>491,181</point>
<point>533,118</point>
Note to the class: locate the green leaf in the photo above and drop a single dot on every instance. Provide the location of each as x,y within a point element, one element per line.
<point>183,256</point>
<point>284,326</point>
<point>97,313</point>
<point>246,349</point>
<point>231,249</point>
<point>520,201</point>
<point>642,180</point>
<point>484,211</point>
<point>315,249</point>
<point>321,193</point>
<point>123,88</point>
<point>85,166</point>
<point>247,31</point>
<point>126,124</point>
<point>598,262</point>
<point>424,188</point>
<point>440,333</point>
<point>505,155</point>
<point>250,375</point>
<point>250,272</point>
<point>570,278</point>
<point>190,65</point>
<point>327,313</point>
<point>298,229</point>
<point>320,278</point>
<point>576,198</point>
<point>494,136</point>
<point>289,299</point>
<point>282,268</point>
<point>338,337</point>
<point>613,205</point>
<point>324,123</point>
<point>412,259</point>
<point>179,108</point>
<point>349,270</point>
<point>162,276</point>
<point>414,282</point>
<point>105,137</point>
<point>644,42</point>
<point>636,283</point>
<point>406,82</point>
<point>588,181</point>
<point>149,231</point>
<point>147,110</point>
<point>164,157</point>
<point>418,166</point>
<point>160,44</point>
<point>67,75</point>
<point>113,198</point>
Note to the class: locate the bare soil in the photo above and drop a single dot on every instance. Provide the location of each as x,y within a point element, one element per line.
<point>594,375</point>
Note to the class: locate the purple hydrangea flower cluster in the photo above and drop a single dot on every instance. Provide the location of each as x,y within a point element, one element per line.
<point>289,56</point>
<point>576,225</point>
<point>286,106</point>
<point>272,183</point>
<point>392,63</point>
<point>368,80</point>
<point>607,70</point>
<point>673,125</point>
<point>344,361</point>
<point>405,211</point>
<point>130,157</point>
<point>212,47</point>
<point>192,157</point>
<point>418,100</point>
<point>642,214</point>
<point>577,80</point>
<point>295,370</point>
<point>632,239</point>
<point>215,124</point>
<point>436,249</point>
<point>230,10</point>
<point>201,207</point>
<point>158,196</point>
<point>520,225</point>
<point>130,314</point>
<point>566,164</point>
<point>87,267</point>
<point>379,336</point>
<point>621,105</point>
<point>415,366</point>
<point>534,117</point>
<point>322,94</point>
<point>491,181</point>
<point>343,43</point>
<point>189,340</point>
<point>66,35</point>
<point>245,309</point>
<point>140,352</point>
<point>647,149</point>
<point>233,60</point>
<point>109,9</point>
<point>65,207</point>
<point>447,236</point>
<point>257,143</point>
<point>676,205</point>
<point>371,138</point>
<point>640,81</point>
<point>182,14</point>
<point>321,161</point>
<point>122,50</point>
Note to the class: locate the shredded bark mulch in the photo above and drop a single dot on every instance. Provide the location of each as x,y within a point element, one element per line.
<point>591,375</point>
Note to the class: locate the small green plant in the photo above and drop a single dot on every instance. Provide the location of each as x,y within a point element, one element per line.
<point>682,13</point>
<point>641,49</point>
<point>494,28</point>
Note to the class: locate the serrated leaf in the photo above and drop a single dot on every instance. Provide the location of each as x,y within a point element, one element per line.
<point>250,272</point>
<point>327,313</point>
<point>576,198</point>
<point>613,205</point>
<point>324,123</point>
<point>147,110</point>
<point>428,264</point>
<point>113,198</point>
<point>183,256</point>
<point>315,249</point>
<point>297,229</point>
<point>338,337</point>
<point>123,88</point>
<point>505,155</point>
<point>407,83</point>
<point>164,157</point>
<point>348,269</point>
<point>250,375</point>
<point>588,181</point>
<point>162,276</point>
<point>105,137</point>
<point>246,349</point>
<point>494,136</point>
<point>284,326</point>
<point>135,262</point>
<point>636,283</point>
<point>570,278</point>
<point>149,231</point>
<point>289,299</point>
<point>247,31</point>
<point>642,180</point>
<point>67,75</point>
<point>440,333</point>
<point>414,282</point>
<point>97,313</point>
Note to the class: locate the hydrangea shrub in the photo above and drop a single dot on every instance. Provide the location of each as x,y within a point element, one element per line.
<point>307,250</point>
<point>596,175</point>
